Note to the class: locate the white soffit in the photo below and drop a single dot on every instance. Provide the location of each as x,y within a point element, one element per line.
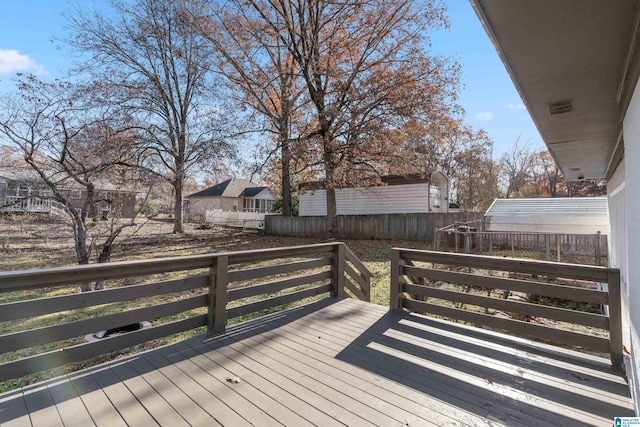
<point>571,54</point>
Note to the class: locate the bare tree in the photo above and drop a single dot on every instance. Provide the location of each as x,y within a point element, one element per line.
<point>517,167</point>
<point>364,71</point>
<point>73,137</point>
<point>149,48</point>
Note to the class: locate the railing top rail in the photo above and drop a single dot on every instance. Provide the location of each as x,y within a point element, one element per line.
<point>59,276</point>
<point>585,272</point>
<point>516,233</point>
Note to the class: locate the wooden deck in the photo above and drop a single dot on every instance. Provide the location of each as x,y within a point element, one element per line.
<point>334,362</point>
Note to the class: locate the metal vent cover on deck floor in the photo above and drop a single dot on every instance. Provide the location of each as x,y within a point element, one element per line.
<point>560,107</point>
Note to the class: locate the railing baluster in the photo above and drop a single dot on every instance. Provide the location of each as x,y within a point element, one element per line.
<point>220,298</point>
<point>339,265</point>
<point>394,291</point>
<point>615,317</point>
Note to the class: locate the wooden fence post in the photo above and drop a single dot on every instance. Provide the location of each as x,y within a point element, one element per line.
<point>615,317</point>
<point>338,290</point>
<point>394,291</point>
<point>467,241</point>
<point>513,245</point>
<point>558,245</point>
<point>218,283</point>
<point>597,245</point>
<point>490,244</point>
<point>547,249</point>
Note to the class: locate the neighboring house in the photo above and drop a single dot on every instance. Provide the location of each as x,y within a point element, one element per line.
<point>576,65</point>
<point>395,195</point>
<point>242,198</point>
<point>24,191</point>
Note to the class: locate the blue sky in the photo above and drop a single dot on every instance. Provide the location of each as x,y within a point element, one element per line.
<point>489,98</point>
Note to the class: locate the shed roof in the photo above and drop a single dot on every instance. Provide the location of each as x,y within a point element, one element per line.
<point>566,215</point>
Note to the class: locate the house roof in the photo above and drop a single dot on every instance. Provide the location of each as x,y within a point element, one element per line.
<point>230,188</point>
<point>24,175</point>
<point>567,215</point>
<point>216,190</point>
<point>384,180</point>
<point>251,191</point>
<point>575,65</point>
<point>28,176</point>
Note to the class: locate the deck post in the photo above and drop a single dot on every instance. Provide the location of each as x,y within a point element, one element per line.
<point>394,291</point>
<point>338,289</point>
<point>597,245</point>
<point>218,282</point>
<point>490,244</point>
<point>615,317</point>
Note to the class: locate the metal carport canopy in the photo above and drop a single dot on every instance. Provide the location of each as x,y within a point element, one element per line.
<point>566,215</point>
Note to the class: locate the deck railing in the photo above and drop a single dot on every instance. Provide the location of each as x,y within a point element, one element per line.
<point>26,204</point>
<point>209,290</point>
<point>417,286</point>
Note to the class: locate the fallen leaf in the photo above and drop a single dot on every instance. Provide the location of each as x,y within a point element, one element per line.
<point>581,377</point>
<point>426,371</point>
<point>625,350</point>
<point>233,380</point>
<point>488,380</point>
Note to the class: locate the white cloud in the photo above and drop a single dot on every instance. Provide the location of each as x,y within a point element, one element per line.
<point>12,61</point>
<point>485,117</point>
<point>516,107</point>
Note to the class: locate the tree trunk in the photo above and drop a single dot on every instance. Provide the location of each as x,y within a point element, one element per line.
<point>177,207</point>
<point>82,252</point>
<point>286,179</point>
<point>332,209</point>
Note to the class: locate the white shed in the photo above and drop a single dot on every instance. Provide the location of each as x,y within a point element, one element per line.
<point>565,215</point>
<point>399,196</point>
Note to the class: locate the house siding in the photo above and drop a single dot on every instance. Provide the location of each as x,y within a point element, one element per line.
<point>392,199</point>
<point>631,132</point>
<point>123,205</point>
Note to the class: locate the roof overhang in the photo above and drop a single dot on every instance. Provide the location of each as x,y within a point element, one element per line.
<point>577,55</point>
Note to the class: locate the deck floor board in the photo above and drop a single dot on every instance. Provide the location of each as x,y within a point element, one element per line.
<point>335,362</point>
<point>478,377</point>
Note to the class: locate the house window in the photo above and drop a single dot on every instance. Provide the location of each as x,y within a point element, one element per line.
<point>235,206</point>
<point>248,205</point>
<point>102,195</point>
<point>76,194</point>
<point>263,206</point>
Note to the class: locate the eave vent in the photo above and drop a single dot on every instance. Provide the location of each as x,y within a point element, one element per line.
<point>560,107</point>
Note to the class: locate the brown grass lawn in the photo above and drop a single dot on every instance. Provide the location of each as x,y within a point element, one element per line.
<point>27,243</point>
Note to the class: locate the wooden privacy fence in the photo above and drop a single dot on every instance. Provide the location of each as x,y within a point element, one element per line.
<point>419,288</point>
<point>212,289</point>
<point>411,226</point>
